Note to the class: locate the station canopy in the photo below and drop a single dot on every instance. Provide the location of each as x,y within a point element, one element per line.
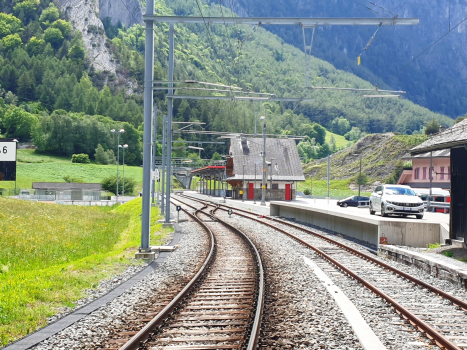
<point>209,171</point>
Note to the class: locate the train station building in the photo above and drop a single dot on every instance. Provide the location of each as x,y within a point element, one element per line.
<point>245,166</point>
<point>455,139</point>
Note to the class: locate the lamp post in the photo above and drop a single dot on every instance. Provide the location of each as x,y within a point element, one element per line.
<point>121,131</point>
<point>123,147</point>
<point>263,183</point>
<point>16,161</point>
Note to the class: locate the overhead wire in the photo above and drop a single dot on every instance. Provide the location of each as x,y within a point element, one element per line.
<point>433,44</point>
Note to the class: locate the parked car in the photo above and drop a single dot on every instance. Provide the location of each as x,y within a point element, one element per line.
<point>353,201</point>
<point>396,199</point>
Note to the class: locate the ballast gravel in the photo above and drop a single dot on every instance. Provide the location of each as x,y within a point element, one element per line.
<point>92,331</point>
<point>298,313</point>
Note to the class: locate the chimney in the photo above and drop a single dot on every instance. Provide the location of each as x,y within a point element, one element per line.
<point>442,128</point>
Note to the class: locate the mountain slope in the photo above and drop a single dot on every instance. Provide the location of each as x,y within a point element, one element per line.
<point>436,80</point>
<point>380,154</point>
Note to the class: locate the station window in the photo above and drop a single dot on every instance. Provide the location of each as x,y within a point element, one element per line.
<point>417,173</point>
<point>275,186</point>
<point>424,173</point>
<point>442,173</point>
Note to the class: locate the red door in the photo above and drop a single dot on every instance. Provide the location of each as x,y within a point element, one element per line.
<point>251,191</point>
<point>288,192</point>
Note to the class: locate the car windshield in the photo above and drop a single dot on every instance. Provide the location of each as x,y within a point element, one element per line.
<point>399,191</point>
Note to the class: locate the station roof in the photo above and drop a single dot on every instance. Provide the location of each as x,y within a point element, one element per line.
<point>66,186</point>
<point>442,153</point>
<point>455,136</point>
<point>208,170</point>
<point>246,153</point>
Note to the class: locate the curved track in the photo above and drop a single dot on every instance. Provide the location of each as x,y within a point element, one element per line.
<point>221,307</point>
<point>432,314</point>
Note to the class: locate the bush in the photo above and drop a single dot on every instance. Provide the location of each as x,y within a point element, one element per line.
<point>110,185</point>
<point>306,191</point>
<point>448,253</point>
<point>80,158</point>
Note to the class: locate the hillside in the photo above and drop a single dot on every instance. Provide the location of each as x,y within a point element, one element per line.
<point>51,83</point>
<point>380,153</point>
<point>436,80</point>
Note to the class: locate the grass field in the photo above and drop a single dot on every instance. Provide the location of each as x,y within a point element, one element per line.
<point>34,167</point>
<point>50,254</point>
<point>337,188</point>
<point>341,142</point>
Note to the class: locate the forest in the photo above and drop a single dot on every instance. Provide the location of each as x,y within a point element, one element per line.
<point>52,95</point>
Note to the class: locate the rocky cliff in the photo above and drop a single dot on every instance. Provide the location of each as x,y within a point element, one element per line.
<point>86,15</point>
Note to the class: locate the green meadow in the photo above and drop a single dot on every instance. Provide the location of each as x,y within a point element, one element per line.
<point>34,167</point>
<point>50,254</point>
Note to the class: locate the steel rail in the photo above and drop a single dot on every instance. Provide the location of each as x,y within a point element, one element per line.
<point>432,333</point>
<point>254,335</point>
<point>256,327</point>
<point>135,342</point>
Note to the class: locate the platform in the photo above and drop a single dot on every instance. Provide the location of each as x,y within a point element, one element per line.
<point>359,224</point>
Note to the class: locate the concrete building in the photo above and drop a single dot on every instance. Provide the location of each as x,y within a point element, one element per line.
<point>419,175</point>
<point>245,166</point>
<point>68,191</point>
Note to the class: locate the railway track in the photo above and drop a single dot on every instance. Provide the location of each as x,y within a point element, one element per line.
<point>427,308</point>
<point>221,307</point>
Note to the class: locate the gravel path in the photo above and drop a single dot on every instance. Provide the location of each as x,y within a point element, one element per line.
<point>92,331</point>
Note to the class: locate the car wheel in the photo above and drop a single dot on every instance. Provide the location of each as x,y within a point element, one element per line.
<point>419,216</point>
<point>383,212</point>
<point>344,205</point>
<point>372,212</point>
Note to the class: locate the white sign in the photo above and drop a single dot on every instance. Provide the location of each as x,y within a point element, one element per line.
<point>7,151</point>
<point>155,175</point>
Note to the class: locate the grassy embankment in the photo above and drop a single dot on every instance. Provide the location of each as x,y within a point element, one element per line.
<point>50,254</point>
<point>380,155</point>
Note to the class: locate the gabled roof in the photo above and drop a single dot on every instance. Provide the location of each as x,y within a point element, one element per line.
<point>248,151</point>
<point>66,186</point>
<point>455,136</point>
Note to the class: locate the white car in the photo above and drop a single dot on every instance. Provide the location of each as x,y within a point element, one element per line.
<point>396,199</point>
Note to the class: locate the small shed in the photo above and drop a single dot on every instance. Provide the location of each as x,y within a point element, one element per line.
<point>244,168</point>
<point>68,190</point>
<point>455,139</point>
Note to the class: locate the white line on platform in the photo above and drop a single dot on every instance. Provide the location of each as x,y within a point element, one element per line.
<point>362,330</point>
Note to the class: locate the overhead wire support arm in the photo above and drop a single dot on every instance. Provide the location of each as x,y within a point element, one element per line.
<point>284,20</point>
<point>308,49</point>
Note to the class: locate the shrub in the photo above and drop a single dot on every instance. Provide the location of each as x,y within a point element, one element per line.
<point>448,253</point>
<point>306,191</point>
<point>80,158</point>
<point>110,185</point>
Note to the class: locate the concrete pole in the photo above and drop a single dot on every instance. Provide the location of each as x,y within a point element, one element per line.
<point>153,141</point>
<point>430,173</point>
<point>329,171</point>
<point>148,106</point>
<point>263,183</point>
<point>243,183</point>
<point>123,191</point>
<point>360,177</point>
<point>169,123</point>
<point>164,132</point>
<point>118,161</point>
<point>254,187</point>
